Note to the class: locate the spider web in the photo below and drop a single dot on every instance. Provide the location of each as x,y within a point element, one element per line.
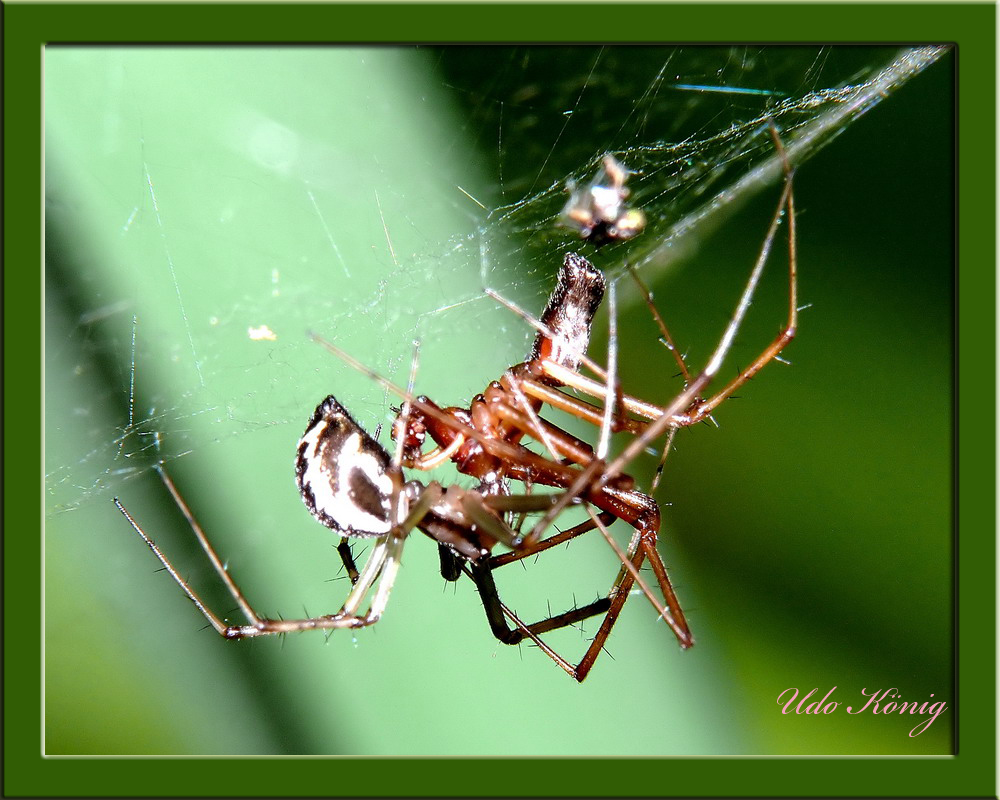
<point>192,245</point>
<point>207,209</point>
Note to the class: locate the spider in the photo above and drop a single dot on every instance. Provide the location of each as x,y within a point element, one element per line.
<point>598,211</point>
<point>353,486</point>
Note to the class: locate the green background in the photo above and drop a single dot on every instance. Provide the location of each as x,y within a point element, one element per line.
<point>810,536</point>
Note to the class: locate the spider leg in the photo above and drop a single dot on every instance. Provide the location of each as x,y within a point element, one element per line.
<point>621,501</point>
<point>667,339</point>
<point>668,342</point>
<point>787,333</point>
<point>552,541</point>
<point>684,400</point>
<point>642,548</point>
<point>637,509</point>
<point>219,626</point>
<point>612,392</point>
<point>581,409</point>
<point>619,594</point>
<point>627,564</point>
<point>347,557</point>
<point>481,570</point>
<point>642,513</point>
<point>206,546</point>
<point>257,625</point>
<point>496,612</point>
<point>667,445</point>
<point>688,409</point>
<point>558,659</point>
<point>379,574</point>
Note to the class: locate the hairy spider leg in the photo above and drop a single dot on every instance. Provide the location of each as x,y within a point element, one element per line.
<point>689,397</point>
<point>481,572</point>
<point>611,606</point>
<point>622,502</point>
<point>667,340</point>
<point>347,617</point>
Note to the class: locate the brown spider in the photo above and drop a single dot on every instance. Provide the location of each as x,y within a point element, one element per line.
<point>352,485</point>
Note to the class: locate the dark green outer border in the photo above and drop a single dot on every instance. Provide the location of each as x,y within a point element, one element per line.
<point>971,773</point>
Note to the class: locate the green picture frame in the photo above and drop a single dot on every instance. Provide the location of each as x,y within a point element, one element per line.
<point>969,772</point>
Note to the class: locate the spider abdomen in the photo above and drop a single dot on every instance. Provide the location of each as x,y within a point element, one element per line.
<point>341,473</point>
